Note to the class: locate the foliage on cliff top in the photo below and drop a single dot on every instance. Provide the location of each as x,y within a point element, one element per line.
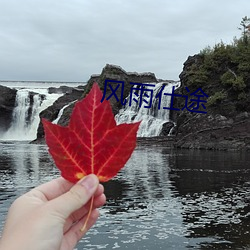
<point>223,72</point>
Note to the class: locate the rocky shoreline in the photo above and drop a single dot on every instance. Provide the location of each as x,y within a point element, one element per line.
<point>215,132</point>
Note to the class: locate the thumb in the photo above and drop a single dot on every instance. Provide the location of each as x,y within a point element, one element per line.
<point>76,197</point>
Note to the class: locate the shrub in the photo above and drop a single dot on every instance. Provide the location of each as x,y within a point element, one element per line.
<point>227,78</point>
<point>216,98</point>
<point>242,96</point>
<point>239,84</point>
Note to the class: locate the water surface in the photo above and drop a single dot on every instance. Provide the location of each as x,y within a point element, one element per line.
<point>161,200</point>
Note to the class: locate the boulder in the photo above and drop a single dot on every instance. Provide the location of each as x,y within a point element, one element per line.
<point>166,128</point>
<point>116,73</point>
<point>52,112</point>
<point>7,104</point>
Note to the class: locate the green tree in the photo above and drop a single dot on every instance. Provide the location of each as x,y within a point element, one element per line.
<point>245,28</point>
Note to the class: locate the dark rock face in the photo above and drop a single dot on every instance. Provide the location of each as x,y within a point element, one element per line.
<point>7,104</point>
<point>218,132</point>
<point>63,89</point>
<point>31,101</point>
<point>52,112</point>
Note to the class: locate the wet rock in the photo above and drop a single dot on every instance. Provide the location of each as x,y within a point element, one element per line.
<point>116,73</point>
<point>7,105</point>
<point>52,112</point>
<point>242,116</point>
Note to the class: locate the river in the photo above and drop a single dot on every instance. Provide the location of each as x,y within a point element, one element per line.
<point>162,199</point>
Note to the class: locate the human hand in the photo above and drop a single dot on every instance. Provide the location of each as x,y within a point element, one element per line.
<point>50,216</point>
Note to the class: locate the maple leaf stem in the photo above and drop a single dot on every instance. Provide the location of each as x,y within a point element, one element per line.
<point>84,228</point>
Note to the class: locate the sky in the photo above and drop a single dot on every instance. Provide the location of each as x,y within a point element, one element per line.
<point>69,40</point>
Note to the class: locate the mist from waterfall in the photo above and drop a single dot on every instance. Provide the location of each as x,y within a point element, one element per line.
<point>152,118</point>
<point>25,116</point>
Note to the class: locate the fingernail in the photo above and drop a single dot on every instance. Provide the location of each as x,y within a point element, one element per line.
<point>89,182</point>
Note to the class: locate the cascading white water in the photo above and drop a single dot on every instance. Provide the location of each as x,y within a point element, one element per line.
<point>152,118</point>
<point>26,113</point>
<point>25,117</point>
<point>20,112</point>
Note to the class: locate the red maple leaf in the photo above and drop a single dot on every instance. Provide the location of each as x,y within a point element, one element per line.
<point>92,142</point>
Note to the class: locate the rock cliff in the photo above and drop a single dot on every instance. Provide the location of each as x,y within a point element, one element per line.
<point>7,104</point>
<point>116,73</point>
<point>226,125</point>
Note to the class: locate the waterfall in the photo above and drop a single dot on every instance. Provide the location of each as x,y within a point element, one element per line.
<point>152,118</point>
<point>25,117</point>
<point>61,112</point>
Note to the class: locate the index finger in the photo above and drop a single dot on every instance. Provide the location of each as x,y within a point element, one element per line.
<point>54,188</point>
